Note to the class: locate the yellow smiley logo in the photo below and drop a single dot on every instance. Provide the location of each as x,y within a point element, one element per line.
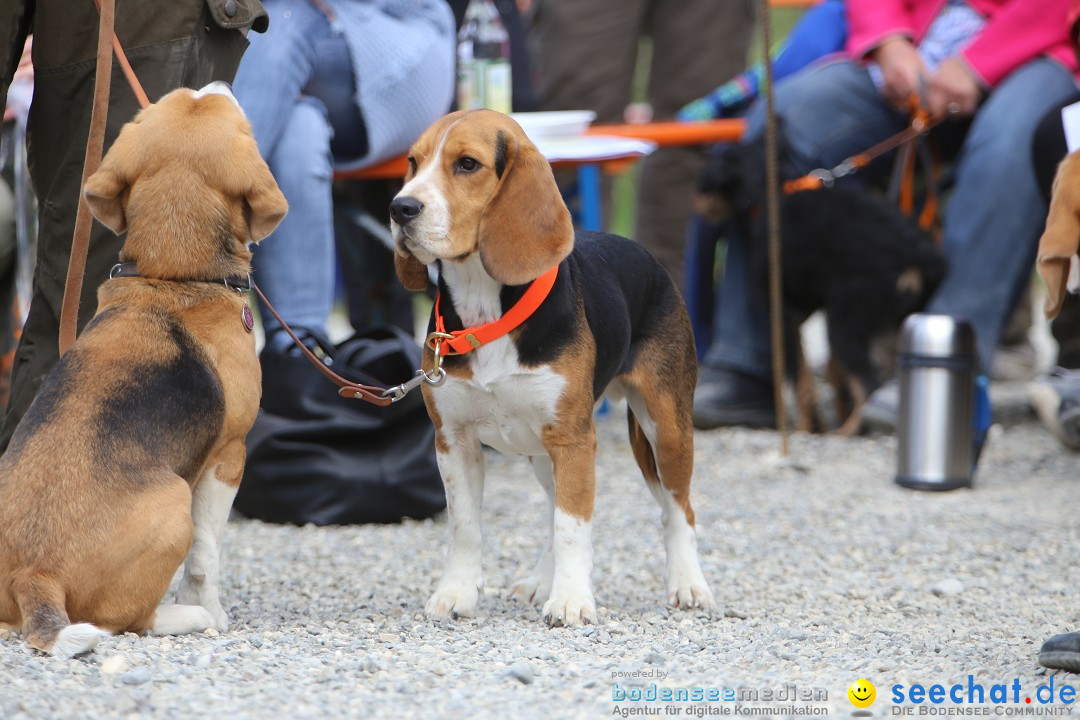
<point>862,693</point>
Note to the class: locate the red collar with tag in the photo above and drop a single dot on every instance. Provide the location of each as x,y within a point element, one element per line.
<point>459,342</point>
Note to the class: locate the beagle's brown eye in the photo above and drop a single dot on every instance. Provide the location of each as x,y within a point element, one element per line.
<point>412,163</point>
<point>466,165</point>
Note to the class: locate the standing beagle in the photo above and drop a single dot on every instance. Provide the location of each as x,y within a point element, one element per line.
<point>535,326</point>
<point>129,457</point>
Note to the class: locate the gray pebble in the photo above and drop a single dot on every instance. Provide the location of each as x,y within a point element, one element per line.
<point>136,676</point>
<point>522,671</point>
<point>949,586</point>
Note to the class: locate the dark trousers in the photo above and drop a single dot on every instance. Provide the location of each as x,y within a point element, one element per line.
<point>170,44</point>
<point>587,50</point>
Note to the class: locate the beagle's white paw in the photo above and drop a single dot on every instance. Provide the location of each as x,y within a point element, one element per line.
<point>570,609</point>
<point>533,590</point>
<point>688,597</point>
<point>221,620</point>
<point>196,592</point>
<point>453,600</point>
<point>181,620</point>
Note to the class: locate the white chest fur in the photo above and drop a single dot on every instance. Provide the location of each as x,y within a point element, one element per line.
<point>504,403</point>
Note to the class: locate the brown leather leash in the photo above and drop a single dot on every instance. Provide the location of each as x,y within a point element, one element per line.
<point>80,242</point>
<point>380,396</point>
<point>95,145</point>
<point>69,312</point>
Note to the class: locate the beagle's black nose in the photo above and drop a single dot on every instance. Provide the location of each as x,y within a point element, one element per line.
<point>404,209</point>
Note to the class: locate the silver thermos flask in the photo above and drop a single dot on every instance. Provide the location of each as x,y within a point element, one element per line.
<point>936,425</point>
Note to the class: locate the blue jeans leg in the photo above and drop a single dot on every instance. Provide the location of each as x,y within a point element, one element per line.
<point>699,263</point>
<point>828,112</point>
<point>296,85</point>
<point>295,265</point>
<point>276,68</point>
<point>996,214</point>
<point>300,54</point>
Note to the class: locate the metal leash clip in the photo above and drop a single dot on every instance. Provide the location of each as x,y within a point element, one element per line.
<point>826,177</point>
<point>434,378</point>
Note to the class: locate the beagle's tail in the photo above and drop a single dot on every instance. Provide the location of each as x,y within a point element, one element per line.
<point>45,621</point>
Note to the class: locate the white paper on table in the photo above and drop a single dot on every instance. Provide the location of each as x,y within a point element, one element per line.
<point>1070,118</point>
<point>584,148</point>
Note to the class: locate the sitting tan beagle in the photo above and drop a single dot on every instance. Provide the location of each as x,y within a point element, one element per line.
<point>131,453</point>
<point>535,326</point>
<point>1057,258</point>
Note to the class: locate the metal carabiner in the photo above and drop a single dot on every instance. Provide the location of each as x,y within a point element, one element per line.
<point>823,176</point>
<point>434,378</point>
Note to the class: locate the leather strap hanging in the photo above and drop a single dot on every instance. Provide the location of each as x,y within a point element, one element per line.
<point>95,142</point>
<point>95,146</point>
<point>346,388</point>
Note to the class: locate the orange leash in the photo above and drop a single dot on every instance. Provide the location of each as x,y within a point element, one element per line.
<point>920,124</point>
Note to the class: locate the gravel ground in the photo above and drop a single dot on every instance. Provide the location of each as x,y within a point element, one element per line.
<point>824,570</point>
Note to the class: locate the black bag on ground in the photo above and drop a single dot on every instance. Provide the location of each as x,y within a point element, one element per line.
<point>316,457</point>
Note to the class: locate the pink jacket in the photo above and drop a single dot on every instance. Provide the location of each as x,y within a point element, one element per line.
<point>1016,31</point>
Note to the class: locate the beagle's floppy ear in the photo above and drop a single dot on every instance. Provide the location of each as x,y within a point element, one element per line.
<point>411,272</point>
<point>106,191</point>
<point>525,229</point>
<point>1060,241</point>
<point>265,205</point>
<point>106,194</point>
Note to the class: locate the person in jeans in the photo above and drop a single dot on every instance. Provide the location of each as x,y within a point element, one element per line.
<point>996,65</point>
<point>334,84</point>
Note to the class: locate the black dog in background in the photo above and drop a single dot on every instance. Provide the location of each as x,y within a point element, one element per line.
<point>849,253</point>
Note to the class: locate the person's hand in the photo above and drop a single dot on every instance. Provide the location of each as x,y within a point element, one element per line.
<point>953,90</point>
<point>23,73</point>
<point>901,70</point>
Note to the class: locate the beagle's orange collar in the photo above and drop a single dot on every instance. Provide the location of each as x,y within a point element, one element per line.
<point>459,342</point>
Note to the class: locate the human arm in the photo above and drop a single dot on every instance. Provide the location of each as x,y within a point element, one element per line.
<point>882,31</point>
<point>1017,32</point>
<point>23,73</point>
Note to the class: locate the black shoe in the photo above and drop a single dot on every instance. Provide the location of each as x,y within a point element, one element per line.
<point>726,397</point>
<point>1061,652</point>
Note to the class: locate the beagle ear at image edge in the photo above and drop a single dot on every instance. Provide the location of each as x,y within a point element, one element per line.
<point>1061,239</point>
